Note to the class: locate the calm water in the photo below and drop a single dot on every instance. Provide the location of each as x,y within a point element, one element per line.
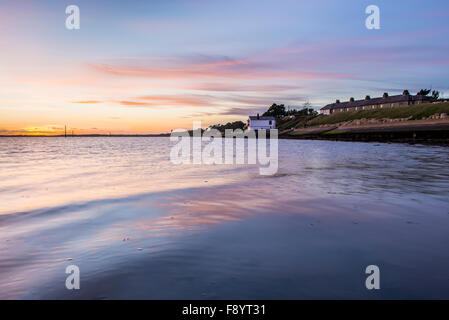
<point>222,232</point>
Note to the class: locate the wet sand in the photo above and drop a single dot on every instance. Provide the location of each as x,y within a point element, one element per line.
<point>307,232</point>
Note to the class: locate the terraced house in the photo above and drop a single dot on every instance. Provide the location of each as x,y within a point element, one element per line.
<point>386,101</point>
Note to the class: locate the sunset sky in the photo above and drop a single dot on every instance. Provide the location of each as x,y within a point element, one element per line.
<point>153,66</point>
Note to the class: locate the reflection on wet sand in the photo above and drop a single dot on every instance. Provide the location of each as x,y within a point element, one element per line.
<point>306,232</point>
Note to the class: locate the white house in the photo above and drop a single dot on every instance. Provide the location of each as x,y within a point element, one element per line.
<point>261,123</point>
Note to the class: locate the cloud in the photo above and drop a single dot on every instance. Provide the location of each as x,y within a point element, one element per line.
<point>225,68</point>
<point>242,87</point>
<point>266,100</point>
<point>181,100</point>
<point>236,111</point>
<point>219,61</point>
<point>244,111</point>
<point>192,100</point>
<point>135,104</point>
<point>174,100</point>
<point>89,101</point>
<point>380,55</point>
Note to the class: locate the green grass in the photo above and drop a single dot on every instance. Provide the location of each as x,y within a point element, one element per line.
<point>299,122</point>
<point>335,132</point>
<point>416,112</point>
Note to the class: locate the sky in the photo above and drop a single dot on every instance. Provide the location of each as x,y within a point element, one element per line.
<point>153,66</point>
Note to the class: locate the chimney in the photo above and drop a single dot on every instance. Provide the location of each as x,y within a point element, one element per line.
<point>405,93</point>
<point>258,117</point>
<point>367,98</point>
<point>351,99</point>
<point>337,101</point>
<point>385,95</point>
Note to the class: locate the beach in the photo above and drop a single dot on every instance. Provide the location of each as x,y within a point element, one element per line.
<point>140,227</point>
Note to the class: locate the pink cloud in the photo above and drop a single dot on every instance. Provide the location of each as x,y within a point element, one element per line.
<point>199,73</point>
<point>227,87</point>
<point>179,101</point>
<point>89,101</point>
<point>205,67</point>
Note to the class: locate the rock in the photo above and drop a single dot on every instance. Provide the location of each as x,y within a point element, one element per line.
<point>69,259</point>
<point>435,116</point>
<point>443,116</point>
<point>140,249</point>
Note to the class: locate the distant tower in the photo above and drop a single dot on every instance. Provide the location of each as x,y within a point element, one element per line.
<point>65,131</point>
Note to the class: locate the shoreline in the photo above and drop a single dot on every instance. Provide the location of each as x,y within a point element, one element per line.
<point>434,132</point>
<point>87,135</point>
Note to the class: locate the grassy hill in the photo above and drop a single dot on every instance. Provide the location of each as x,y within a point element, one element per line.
<point>298,122</point>
<point>415,112</point>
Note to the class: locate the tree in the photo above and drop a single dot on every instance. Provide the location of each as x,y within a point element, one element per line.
<point>230,125</point>
<point>307,104</point>
<point>423,92</point>
<point>276,110</point>
<point>435,94</point>
<point>313,112</point>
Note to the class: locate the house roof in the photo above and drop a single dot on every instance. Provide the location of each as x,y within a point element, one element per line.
<point>381,100</point>
<point>261,118</point>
